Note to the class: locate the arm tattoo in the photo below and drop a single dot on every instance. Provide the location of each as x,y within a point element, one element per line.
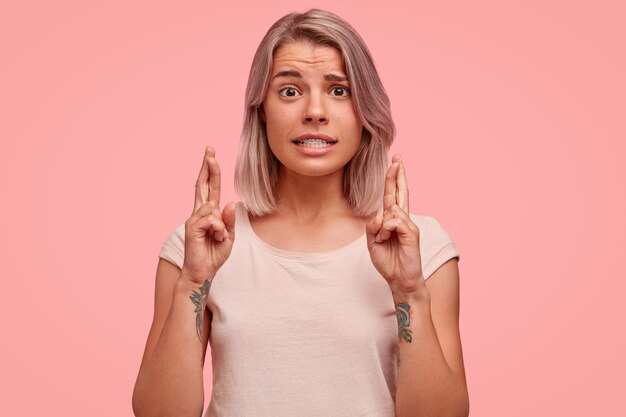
<point>404,320</point>
<point>199,299</point>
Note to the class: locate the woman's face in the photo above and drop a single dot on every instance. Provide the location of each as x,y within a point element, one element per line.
<point>309,95</point>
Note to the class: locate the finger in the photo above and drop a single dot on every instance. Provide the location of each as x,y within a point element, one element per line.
<point>214,227</point>
<point>228,216</point>
<point>372,228</point>
<point>219,233</point>
<point>397,212</point>
<point>389,198</point>
<point>403,189</point>
<point>387,215</point>
<point>213,210</point>
<point>205,210</point>
<point>388,201</point>
<point>214,180</point>
<point>202,188</point>
<point>406,217</point>
<point>399,226</point>
<point>407,230</point>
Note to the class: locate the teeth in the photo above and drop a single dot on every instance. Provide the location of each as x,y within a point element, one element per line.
<point>314,143</point>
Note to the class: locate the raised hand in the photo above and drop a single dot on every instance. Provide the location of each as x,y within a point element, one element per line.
<point>209,232</point>
<point>393,238</point>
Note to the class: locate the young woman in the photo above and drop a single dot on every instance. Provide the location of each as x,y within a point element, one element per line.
<point>320,294</point>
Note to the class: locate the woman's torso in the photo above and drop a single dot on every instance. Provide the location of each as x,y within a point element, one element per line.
<point>301,333</point>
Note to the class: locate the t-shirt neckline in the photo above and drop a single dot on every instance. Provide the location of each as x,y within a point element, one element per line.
<point>303,256</point>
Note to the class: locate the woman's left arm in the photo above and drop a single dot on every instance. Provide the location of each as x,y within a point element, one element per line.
<point>431,376</point>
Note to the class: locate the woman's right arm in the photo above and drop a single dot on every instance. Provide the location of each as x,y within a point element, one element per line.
<point>170,377</point>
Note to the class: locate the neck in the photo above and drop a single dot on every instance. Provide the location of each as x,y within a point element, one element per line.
<point>307,198</point>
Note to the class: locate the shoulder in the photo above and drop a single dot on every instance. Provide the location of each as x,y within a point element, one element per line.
<point>173,248</point>
<point>436,244</point>
<point>429,227</point>
<point>177,236</point>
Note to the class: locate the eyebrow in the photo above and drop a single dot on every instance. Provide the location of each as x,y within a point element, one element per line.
<point>327,77</point>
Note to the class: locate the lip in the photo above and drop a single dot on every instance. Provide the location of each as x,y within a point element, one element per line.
<point>314,136</point>
<point>312,151</point>
<point>307,150</point>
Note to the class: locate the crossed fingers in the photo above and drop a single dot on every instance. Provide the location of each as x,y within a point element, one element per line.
<point>207,196</point>
<point>208,182</point>
<point>395,201</point>
<point>396,189</point>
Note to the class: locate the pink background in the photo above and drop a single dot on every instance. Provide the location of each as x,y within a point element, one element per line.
<point>511,120</point>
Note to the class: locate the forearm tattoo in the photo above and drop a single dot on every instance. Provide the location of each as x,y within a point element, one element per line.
<point>199,299</point>
<point>404,320</point>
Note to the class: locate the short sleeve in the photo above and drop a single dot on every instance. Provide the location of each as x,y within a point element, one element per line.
<point>173,249</point>
<point>436,245</point>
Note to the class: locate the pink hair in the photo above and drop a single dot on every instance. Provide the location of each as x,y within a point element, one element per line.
<point>256,171</point>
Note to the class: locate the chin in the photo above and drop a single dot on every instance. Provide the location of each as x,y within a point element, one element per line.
<point>315,168</point>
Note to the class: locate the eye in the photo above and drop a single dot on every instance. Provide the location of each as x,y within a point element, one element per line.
<point>289,92</point>
<point>343,91</point>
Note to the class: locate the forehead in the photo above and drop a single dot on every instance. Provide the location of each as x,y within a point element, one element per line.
<point>303,55</point>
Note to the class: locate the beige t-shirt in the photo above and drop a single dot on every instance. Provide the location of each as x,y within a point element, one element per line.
<point>304,334</point>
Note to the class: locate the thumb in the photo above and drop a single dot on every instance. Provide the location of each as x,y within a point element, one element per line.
<point>372,228</point>
<point>228,216</point>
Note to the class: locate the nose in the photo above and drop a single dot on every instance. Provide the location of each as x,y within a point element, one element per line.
<point>315,111</point>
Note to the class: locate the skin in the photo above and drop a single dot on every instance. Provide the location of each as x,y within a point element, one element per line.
<point>431,380</point>
<point>312,215</point>
<point>310,104</point>
<point>309,193</point>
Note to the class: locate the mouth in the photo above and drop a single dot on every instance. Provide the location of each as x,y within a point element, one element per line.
<point>314,141</point>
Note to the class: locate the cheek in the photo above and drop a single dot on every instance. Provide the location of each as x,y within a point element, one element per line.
<point>281,118</point>
<point>351,127</point>
<point>272,122</point>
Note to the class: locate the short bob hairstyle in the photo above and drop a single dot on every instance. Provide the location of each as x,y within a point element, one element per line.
<point>257,168</point>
